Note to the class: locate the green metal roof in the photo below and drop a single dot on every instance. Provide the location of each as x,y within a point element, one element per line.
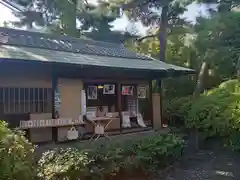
<point>25,45</point>
<point>47,55</point>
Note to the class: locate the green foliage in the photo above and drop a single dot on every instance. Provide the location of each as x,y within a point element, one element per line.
<point>175,110</point>
<point>139,10</point>
<point>218,42</point>
<point>112,158</point>
<point>176,87</point>
<point>64,162</point>
<point>154,152</point>
<point>16,155</point>
<point>216,112</point>
<point>177,107</point>
<point>60,16</point>
<point>233,141</point>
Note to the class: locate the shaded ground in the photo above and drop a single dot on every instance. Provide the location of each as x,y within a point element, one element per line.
<point>205,165</point>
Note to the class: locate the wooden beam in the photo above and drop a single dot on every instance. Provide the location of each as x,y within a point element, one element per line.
<point>109,80</point>
<point>119,103</point>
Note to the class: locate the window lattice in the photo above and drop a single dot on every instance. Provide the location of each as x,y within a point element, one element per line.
<point>25,100</point>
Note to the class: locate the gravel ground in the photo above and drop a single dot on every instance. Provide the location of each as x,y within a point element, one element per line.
<point>205,165</point>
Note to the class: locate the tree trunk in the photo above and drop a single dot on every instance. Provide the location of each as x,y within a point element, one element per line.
<point>163,32</point>
<point>162,39</point>
<point>68,17</point>
<point>29,25</point>
<point>196,139</point>
<point>201,77</point>
<point>199,88</point>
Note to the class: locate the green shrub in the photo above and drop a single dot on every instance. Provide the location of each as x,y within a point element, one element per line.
<point>217,112</point>
<point>157,151</point>
<point>177,109</point>
<point>214,114</point>
<point>16,154</point>
<point>64,163</point>
<point>111,158</point>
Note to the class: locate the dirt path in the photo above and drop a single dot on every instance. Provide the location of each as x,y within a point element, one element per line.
<point>205,165</point>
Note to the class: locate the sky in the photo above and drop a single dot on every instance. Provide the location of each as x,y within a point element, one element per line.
<point>121,23</point>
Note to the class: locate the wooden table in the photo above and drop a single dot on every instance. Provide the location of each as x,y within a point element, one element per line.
<point>99,127</point>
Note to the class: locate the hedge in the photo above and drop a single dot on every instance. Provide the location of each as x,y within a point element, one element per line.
<point>217,112</point>
<point>214,114</point>
<point>101,161</point>
<point>111,159</point>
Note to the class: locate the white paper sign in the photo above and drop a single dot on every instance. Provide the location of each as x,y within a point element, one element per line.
<point>142,92</point>
<point>109,89</point>
<point>92,92</point>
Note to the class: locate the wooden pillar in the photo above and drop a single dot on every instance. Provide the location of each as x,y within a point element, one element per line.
<point>119,103</point>
<point>54,87</point>
<point>151,102</point>
<point>161,101</point>
<point>157,124</point>
<point>157,108</point>
<point>71,103</point>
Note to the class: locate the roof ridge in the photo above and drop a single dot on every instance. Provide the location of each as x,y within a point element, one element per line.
<point>83,53</point>
<point>60,37</point>
<point>18,37</point>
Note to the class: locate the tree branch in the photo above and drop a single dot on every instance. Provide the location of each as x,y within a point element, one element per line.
<point>147,36</point>
<point>133,5</point>
<point>86,2</point>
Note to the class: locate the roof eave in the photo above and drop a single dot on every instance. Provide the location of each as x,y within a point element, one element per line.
<point>182,72</point>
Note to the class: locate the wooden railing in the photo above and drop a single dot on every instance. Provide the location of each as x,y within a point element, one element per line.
<point>50,123</point>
